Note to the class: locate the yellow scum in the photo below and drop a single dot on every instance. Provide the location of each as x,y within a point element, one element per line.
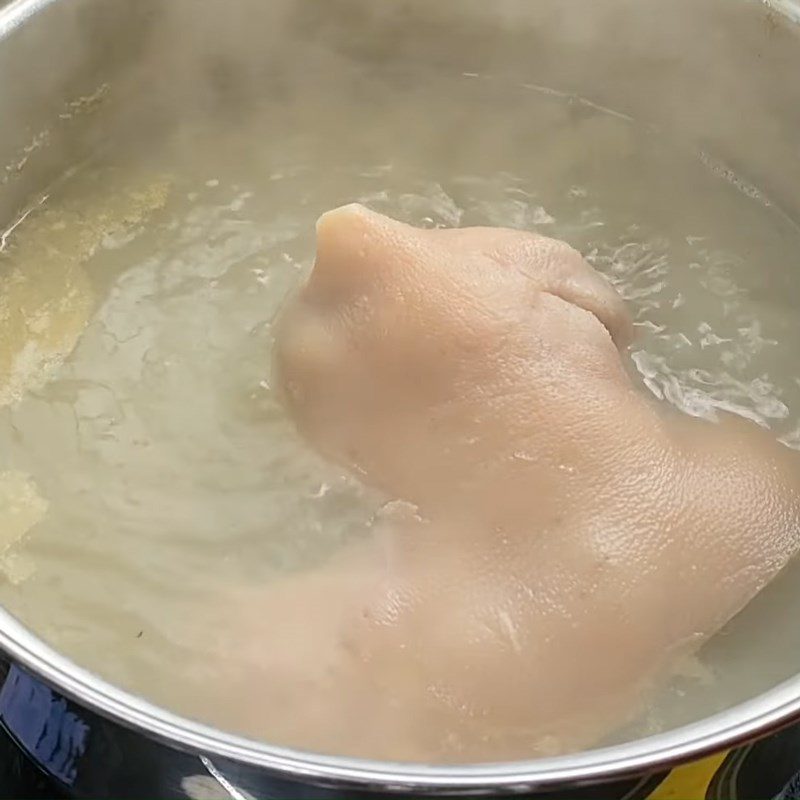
<point>46,301</point>
<point>46,298</point>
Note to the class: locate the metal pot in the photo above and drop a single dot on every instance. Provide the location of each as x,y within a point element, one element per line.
<point>721,74</point>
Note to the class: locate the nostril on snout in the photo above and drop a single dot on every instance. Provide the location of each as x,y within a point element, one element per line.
<point>339,215</point>
<point>339,230</point>
<point>345,252</point>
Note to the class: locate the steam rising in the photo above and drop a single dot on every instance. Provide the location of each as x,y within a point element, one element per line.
<point>684,65</point>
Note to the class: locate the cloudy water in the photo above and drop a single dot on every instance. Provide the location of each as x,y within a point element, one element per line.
<point>146,466</point>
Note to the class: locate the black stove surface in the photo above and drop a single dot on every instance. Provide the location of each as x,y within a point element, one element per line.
<point>765,770</point>
<point>19,778</point>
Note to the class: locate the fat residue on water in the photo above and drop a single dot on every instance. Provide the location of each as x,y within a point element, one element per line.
<point>160,469</point>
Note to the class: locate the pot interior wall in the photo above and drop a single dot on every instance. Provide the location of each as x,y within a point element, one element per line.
<point>719,73</point>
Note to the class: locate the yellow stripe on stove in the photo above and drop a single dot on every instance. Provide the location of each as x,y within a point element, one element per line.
<point>690,782</point>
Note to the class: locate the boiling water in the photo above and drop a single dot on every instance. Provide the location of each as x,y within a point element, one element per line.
<point>146,466</point>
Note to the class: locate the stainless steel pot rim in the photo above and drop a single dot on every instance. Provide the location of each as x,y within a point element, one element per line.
<point>733,726</point>
<point>17,12</point>
<point>790,8</point>
<point>741,723</point>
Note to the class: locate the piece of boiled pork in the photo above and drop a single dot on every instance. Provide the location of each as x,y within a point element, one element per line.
<point>559,539</point>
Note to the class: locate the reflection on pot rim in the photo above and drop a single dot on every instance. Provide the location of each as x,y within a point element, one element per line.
<point>791,8</point>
